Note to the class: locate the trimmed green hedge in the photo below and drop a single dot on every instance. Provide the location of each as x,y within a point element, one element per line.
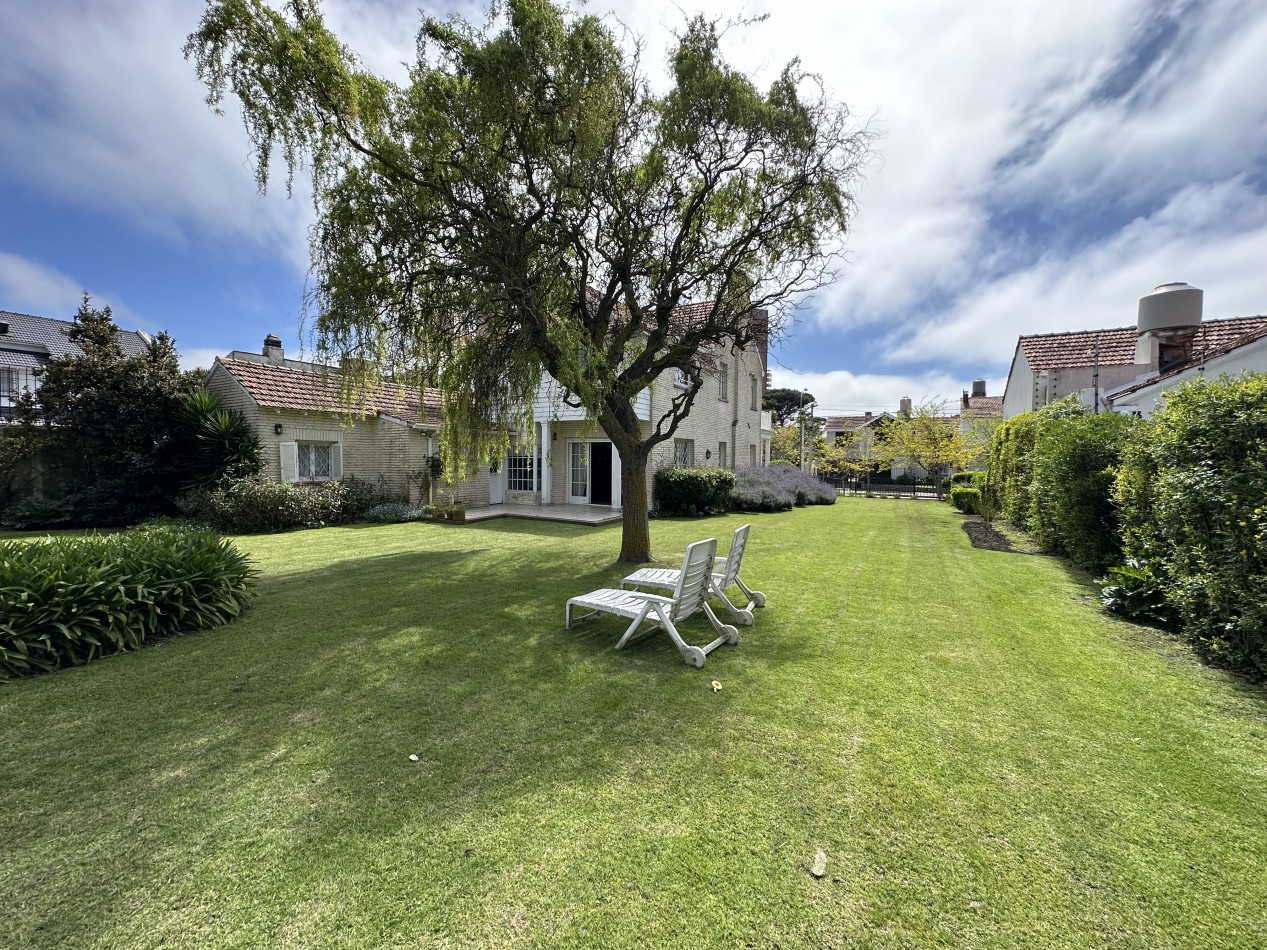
<point>1192,489</point>
<point>66,601</point>
<point>965,498</point>
<point>253,506</point>
<point>693,491</point>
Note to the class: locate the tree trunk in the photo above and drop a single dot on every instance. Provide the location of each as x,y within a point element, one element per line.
<point>635,539</point>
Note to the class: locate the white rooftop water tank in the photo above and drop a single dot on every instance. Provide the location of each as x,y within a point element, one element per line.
<point>1170,307</point>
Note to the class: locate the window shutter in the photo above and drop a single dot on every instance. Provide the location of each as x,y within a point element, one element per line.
<point>290,461</point>
<point>336,461</point>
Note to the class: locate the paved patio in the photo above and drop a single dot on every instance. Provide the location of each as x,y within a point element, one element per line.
<point>572,514</point>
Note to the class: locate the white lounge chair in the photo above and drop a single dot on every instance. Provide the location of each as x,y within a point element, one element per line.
<point>725,573</point>
<point>689,593</point>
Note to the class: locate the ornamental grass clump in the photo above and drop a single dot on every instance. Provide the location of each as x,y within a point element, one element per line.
<point>67,601</point>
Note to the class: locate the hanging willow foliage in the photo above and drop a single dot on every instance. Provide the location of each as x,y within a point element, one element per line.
<point>527,205</point>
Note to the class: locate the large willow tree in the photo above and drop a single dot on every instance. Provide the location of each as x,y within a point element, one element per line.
<point>527,204</point>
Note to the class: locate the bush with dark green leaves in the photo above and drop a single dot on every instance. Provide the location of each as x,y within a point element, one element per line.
<point>965,498</point>
<point>1192,489</point>
<point>1011,459</point>
<point>1133,590</point>
<point>66,601</point>
<point>255,506</point>
<point>1071,490</point>
<point>693,491</point>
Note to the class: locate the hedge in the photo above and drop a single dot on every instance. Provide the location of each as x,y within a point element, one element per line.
<point>1192,489</point>
<point>66,601</point>
<point>965,498</point>
<point>254,506</point>
<point>693,491</point>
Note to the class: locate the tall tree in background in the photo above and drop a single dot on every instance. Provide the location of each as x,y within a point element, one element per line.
<point>526,204</point>
<point>116,417</point>
<point>785,405</point>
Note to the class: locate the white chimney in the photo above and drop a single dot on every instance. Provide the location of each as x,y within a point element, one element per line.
<point>904,406</point>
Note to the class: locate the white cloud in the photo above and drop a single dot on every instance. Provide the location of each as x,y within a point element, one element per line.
<point>110,116</point>
<point>200,357</point>
<point>1212,236</point>
<point>840,392</point>
<point>27,286</point>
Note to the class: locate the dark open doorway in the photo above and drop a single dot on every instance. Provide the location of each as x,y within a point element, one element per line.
<point>600,473</point>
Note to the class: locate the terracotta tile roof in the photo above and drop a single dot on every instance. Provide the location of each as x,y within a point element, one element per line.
<point>979,406</point>
<point>287,387</point>
<point>1200,357</point>
<point>1045,351</point>
<point>846,423</point>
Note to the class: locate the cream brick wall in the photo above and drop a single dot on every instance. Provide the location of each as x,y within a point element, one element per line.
<point>711,421</point>
<point>374,449</point>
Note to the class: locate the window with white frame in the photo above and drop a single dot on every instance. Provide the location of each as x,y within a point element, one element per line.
<point>723,383</point>
<point>314,461</point>
<point>13,381</point>
<point>519,470</point>
<point>684,452</point>
<point>721,454</point>
<point>755,390</point>
<point>681,380</point>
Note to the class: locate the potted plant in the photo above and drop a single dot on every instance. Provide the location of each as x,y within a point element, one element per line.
<point>457,513</point>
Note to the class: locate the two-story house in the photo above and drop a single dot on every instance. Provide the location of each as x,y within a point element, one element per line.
<point>28,343</point>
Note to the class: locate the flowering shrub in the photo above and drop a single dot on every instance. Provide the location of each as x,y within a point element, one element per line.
<point>778,488</point>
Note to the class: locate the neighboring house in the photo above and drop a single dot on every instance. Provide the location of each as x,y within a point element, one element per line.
<point>308,436</point>
<point>563,458</point>
<point>1249,352</point>
<point>726,427</point>
<point>976,405</point>
<point>27,343</point>
<point>1169,334</point>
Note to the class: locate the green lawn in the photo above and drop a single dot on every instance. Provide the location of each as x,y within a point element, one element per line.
<point>985,758</point>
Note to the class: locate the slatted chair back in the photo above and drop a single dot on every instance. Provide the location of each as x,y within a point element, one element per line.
<point>735,557</point>
<point>692,585</point>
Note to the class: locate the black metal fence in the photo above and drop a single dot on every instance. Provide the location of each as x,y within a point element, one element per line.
<point>901,487</point>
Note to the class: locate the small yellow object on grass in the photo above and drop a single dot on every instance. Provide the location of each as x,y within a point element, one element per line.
<point>716,686</point>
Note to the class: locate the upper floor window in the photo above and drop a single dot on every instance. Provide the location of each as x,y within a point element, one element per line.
<point>755,391</point>
<point>681,380</point>
<point>723,383</point>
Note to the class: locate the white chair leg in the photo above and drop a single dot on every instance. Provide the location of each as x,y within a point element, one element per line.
<point>725,632</point>
<point>742,616</point>
<point>693,656</point>
<point>637,622</point>
<point>757,598</point>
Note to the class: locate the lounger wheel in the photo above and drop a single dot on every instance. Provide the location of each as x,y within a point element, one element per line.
<point>694,656</point>
<point>758,598</point>
<point>744,617</point>
<point>730,634</point>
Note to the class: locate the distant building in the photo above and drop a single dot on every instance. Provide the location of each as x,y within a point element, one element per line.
<point>1100,366</point>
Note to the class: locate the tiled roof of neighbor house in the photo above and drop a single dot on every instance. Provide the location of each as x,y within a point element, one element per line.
<point>1200,357</point>
<point>1045,351</point>
<point>52,335</point>
<point>980,406</point>
<point>846,423</point>
<point>285,387</point>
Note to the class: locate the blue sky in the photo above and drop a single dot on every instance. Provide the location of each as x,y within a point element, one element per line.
<point>1041,167</point>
